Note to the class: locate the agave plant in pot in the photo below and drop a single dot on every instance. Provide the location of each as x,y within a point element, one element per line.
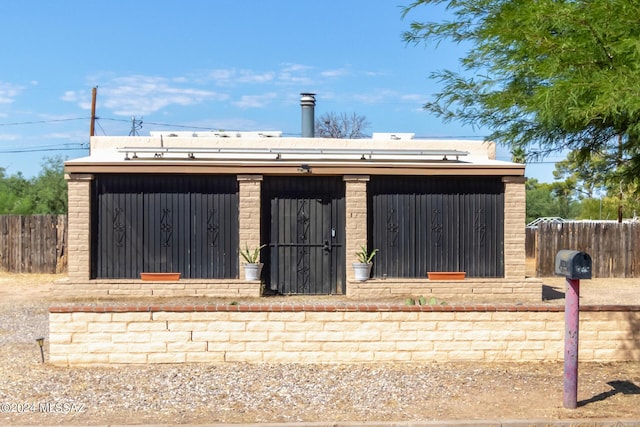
<point>362,268</point>
<point>253,266</point>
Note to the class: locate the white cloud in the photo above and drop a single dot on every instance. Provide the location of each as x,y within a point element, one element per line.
<point>387,96</point>
<point>255,101</point>
<point>377,97</point>
<point>288,67</point>
<point>139,95</point>
<point>286,74</point>
<point>71,96</point>
<point>340,72</point>
<point>295,74</point>
<point>66,136</point>
<point>231,77</point>
<point>8,92</point>
<point>375,73</point>
<point>247,76</point>
<point>411,97</point>
<point>8,137</point>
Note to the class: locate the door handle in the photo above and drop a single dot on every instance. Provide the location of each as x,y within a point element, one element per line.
<point>326,247</point>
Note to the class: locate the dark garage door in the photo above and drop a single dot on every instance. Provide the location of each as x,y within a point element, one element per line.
<point>423,224</point>
<point>303,225</point>
<point>163,223</point>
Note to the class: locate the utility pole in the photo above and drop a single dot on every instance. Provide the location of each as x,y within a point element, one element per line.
<point>135,125</point>
<point>94,95</point>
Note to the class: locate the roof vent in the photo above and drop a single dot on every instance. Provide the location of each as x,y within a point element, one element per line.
<point>308,104</point>
<point>393,136</point>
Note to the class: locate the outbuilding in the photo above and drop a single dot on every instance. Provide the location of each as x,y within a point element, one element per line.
<point>190,202</point>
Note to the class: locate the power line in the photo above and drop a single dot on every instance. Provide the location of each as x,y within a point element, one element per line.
<point>101,128</point>
<point>31,150</point>
<point>168,124</point>
<point>39,122</point>
<point>81,146</point>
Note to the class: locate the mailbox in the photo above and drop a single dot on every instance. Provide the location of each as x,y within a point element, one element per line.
<point>573,264</point>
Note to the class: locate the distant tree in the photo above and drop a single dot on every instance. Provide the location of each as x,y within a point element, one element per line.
<point>566,203</point>
<point>584,172</point>
<point>590,179</point>
<point>518,155</point>
<point>13,194</point>
<point>49,189</point>
<point>540,202</point>
<point>343,126</point>
<point>548,200</point>
<point>599,208</point>
<point>44,194</point>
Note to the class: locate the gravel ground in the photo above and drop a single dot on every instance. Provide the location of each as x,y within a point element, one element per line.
<point>40,394</point>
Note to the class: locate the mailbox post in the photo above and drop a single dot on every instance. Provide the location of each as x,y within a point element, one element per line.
<point>573,265</point>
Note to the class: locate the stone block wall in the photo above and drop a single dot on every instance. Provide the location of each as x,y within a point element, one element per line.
<point>248,213</point>
<point>356,218</point>
<point>522,290</point>
<point>349,333</point>
<point>79,226</point>
<point>133,288</point>
<point>515,204</point>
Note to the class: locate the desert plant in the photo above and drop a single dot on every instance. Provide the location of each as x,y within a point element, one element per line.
<point>364,256</point>
<point>421,300</point>
<point>251,256</point>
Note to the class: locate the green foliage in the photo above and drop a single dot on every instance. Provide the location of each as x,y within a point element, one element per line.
<point>567,200</point>
<point>544,75</point>
<point>364,256</point>
<point>548,200</point>
<point>421,300</point>
<point>540,201</point>
<point>49,189</point>
<point>44,194</point>
<point>251,256</point>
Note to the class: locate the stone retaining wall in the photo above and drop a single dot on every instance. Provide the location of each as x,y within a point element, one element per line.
<point>346,333</point>
<point>527,290</point>
<point>135,288</point>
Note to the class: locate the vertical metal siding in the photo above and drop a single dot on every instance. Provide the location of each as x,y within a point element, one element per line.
<point>423,224</point>
<point>162,223</point>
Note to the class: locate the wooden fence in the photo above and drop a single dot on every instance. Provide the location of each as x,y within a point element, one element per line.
<point>610,245</point>
<point>33,243</point>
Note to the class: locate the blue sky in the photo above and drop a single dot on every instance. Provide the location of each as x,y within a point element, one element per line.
<point>218,65</point>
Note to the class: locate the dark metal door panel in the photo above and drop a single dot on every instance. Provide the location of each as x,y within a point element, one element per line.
<point>214,247</point>
<point>166,232</point>
<point>423,224</point>
<point>304,228</point>
<point>164,223</point>
<point>119,235</point>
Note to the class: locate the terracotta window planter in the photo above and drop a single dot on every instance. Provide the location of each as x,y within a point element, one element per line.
<point>167,277</point>
<point>446,275</point>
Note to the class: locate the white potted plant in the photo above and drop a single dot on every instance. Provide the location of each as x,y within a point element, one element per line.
<point>362,268</point>
<point>253,266</point>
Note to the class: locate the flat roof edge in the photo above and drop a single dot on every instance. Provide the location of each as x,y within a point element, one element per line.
<point>294,168</point>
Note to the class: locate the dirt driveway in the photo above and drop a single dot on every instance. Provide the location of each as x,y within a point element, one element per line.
<point>236,393</point>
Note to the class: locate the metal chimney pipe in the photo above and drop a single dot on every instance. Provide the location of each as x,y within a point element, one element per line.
<point>308,104</point>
